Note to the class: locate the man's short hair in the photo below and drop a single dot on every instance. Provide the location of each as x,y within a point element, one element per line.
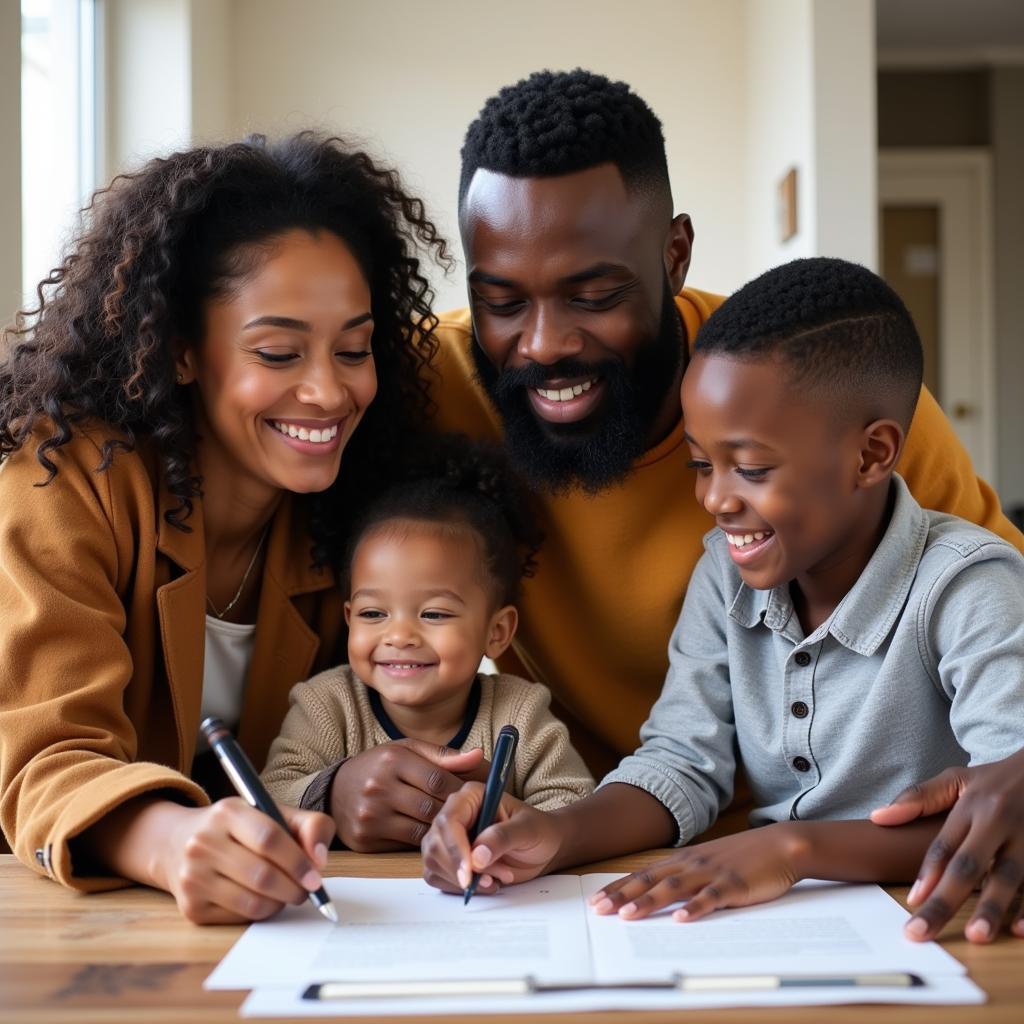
<point>836,326</point>
<point>558,122</point>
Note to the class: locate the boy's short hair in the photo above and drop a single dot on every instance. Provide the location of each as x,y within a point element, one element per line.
<point>559,122</point>
<point>838,327</point>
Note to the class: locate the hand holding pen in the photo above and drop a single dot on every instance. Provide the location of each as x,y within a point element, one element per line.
<point>245,780</point>
<point>497,780</point>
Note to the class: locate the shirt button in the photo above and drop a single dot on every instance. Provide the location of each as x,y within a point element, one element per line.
<point>801,764</point>
<point>799,709</point>
<point>802,659</point>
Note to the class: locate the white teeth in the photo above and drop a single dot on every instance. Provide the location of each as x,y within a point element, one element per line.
<point>741,540</point>
<point>305,434</point>
<point>564,394</point>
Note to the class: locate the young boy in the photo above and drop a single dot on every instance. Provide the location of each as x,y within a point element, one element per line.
<point>844,640</point>
<point>436,565</point>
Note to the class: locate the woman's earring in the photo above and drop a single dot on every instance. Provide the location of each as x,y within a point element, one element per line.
<point>180,378</point>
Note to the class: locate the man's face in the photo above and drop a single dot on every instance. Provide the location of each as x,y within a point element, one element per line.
<point>578,341</point>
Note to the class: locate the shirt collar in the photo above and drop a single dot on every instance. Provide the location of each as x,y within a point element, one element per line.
<point>866,615</point>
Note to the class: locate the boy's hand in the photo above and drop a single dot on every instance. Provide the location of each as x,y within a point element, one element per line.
<point>385,798</point>
<point>735,871</point>
<point>982,836</point>
<point>519,845</point>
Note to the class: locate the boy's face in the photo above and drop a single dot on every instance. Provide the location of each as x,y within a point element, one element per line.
<point>422,615</point>
<point>775,469</point>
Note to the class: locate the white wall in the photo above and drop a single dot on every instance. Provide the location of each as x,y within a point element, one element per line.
<point>811,105</point>
<point>148,66</point>
<point>745,89</point>
<point>409,78</point>
<point>779,125</point>
<point>845,130</point>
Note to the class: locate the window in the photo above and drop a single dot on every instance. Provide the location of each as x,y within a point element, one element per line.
<point>58,128</point>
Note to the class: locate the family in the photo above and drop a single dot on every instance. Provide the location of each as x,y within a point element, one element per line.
<point>247,471</point>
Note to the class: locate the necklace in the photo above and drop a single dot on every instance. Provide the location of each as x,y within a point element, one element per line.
<point>245,579</point>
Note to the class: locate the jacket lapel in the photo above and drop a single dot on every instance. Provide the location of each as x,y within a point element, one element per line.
<point>285,646</point>
<point>181,607</point>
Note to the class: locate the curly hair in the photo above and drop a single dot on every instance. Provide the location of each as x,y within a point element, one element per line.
<point>448,479</point>
<point>160,243</point>
<point>558,122</point>
<point>835,325</point>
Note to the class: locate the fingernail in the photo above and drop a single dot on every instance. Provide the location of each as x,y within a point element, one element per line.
<point>1018,928</point>
<point>481,857</point>
<point>311,880</point>
<point>682,914</point>
<point>915,889</point>
<point>597,897</point>
<point>464,876</point>
<point>628,910</point>
<point>604,906</point>
<point>978,930</point>
<point>320,854</point>
<point>916,928</point>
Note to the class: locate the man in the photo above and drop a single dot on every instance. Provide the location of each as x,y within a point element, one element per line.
<point>572,351</point>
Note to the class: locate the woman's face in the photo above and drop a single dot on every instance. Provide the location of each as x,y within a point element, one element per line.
<point>284,371</point>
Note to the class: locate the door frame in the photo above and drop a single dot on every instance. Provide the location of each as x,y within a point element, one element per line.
<point>959,183</point>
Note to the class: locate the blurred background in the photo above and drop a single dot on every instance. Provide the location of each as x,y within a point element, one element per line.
<point>890,132</point>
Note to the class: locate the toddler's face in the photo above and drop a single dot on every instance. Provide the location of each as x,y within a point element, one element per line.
<point>775,467</point>
<point>421,614</point>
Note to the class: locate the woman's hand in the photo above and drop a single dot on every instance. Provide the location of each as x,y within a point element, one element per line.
<point>735,871</point>
<point>229,863</point>
<point>982,839</point>
<point>520,845</point>
<point>224,864</point>
<point>386,797</point>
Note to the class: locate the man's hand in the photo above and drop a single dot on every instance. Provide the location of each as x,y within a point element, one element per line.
<point>734,871</point>
<point>982,836</point>
<point>385,798</point>
<point>518,846</point>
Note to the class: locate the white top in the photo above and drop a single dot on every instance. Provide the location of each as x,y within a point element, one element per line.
<point>226,660</point>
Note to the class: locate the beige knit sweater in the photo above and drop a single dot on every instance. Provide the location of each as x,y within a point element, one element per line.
<point>330,718</point>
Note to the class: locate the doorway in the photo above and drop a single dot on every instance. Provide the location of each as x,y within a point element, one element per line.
<point>935,237</point>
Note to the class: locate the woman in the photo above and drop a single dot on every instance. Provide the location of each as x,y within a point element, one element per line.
<point>173,417</point>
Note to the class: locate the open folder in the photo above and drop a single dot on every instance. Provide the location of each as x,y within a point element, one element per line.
<point>402,930</point>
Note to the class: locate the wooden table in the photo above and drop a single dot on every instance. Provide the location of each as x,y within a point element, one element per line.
<point>128,956</point>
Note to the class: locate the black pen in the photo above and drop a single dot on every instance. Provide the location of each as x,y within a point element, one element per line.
<point>497,779</point>
<point>243,776</point>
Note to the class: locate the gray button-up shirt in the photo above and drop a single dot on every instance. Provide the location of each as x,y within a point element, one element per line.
<point>920,667</point>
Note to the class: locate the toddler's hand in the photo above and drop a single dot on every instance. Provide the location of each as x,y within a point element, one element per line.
<point>735,871</point>
<point>518,846</point>
<point>386,797</point>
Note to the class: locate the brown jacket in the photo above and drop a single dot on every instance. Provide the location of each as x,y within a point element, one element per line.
<point>102,617</point>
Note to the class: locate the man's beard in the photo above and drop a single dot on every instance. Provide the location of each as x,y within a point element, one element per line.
<point>598,451</point>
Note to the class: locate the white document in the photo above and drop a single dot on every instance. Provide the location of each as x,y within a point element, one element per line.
<point>401,929</point>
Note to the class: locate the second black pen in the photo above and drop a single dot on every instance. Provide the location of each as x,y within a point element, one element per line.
<point>497,780</point>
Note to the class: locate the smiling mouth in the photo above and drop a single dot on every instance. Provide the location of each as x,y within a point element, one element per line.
<point>741,540</point>
<point>566,394</point>
<point>322,435</point>
<point>571,401</point>
<point>747,547</point>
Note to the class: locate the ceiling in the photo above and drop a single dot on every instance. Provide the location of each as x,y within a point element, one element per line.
<point>988,30</point>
